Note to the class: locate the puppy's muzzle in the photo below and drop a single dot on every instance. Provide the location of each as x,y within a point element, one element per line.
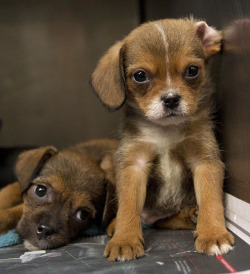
<point>171,101</point>
<point>44,232</point>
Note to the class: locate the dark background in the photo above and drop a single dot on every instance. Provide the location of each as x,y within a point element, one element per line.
<point>49,48</point>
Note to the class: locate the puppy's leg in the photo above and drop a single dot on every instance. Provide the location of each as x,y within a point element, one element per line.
<point>10,207</point>
<point>126,243</point>
<point>211,234</point>
<point>132,177</point>
<point>9,217</point>
<point>185,219</point>
<point>10,195</point>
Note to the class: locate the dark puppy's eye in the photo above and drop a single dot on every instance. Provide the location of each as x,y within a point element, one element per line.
<point>192,72</point>
<point>140,76</point>
<point>40,190</point>
<point>82,215</point>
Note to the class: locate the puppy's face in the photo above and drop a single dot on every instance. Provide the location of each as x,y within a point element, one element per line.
<point>62,202</point>
<point>163,68</point>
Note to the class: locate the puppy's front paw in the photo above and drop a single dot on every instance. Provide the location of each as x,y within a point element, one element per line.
<point>214,241</point>
<point>124,250</point>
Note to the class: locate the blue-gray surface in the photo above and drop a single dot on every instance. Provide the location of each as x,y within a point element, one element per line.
<point>165,252</point>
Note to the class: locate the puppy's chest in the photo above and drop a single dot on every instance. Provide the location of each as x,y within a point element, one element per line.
<point>165,185</point>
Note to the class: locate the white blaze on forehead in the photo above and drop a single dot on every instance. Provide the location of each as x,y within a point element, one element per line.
<point>166,45</point>
<point>161,30</point>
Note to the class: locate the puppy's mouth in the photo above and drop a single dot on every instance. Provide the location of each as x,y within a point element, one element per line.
<point>42,244</point>
<point>157,111</point>
<point>170,117</point>
<point>33,243</point>
<point>168,113</point>
<point>172,114</point>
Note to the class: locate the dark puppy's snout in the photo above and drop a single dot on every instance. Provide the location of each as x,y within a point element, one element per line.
<point>171,101</point>
<point>44,232</point>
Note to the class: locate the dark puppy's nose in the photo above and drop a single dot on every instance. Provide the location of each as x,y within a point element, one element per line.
<point>44,232</point>
<point>171,100</point>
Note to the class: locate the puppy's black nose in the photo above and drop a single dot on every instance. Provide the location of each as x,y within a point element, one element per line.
<point>44,232</point>
<point>171,100</point>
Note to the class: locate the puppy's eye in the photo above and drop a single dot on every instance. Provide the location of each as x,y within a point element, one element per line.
<point>192,72</point>
<point>140,76</point>
<point>82,215</point>
<point>40,190</point>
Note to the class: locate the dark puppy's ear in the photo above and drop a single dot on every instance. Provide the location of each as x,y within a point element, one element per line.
<point>210,37</point>
<point>110,207</point>
<point>108,78</point>
<point>30,163</point>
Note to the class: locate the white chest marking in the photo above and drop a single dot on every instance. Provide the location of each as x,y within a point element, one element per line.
<point>172,173</point>
<point>164,139</point>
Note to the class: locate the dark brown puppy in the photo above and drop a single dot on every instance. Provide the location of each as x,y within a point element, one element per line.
<point>168,157</point>
<point>63,193</point>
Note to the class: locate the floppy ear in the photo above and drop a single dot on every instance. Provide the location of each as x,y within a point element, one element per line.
<point>30,163</point>
<point>108,78</point>
<point>211,39</point>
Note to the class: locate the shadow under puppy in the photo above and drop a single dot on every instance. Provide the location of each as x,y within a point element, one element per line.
<point>168,157</point>
<point>63,192</point>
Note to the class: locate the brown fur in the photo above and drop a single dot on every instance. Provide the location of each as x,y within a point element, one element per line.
<point>10,207</point>
<point>10,195</point>
<point>76,179</point>
<point>186,218</point>
<point>168,158</point>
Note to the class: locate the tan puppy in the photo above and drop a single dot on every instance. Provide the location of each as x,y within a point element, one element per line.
<point>168,157</point>
<point>64,192</point>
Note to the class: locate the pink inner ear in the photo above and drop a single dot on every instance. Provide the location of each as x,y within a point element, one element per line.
<point>208,35</point>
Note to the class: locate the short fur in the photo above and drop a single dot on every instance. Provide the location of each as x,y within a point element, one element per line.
<point>168,157</point>
<point>77,179</point>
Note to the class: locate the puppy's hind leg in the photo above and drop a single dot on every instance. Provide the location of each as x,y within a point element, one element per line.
<point>11,207</point>
<point>185,219</point>
<point>10,217</point>
<point>10,195</point>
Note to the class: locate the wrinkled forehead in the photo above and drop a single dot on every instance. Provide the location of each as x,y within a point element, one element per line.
<point>164,38</point>
<point>72,169</point>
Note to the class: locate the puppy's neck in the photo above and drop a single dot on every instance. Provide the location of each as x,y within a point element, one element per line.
<point>140,129</point>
